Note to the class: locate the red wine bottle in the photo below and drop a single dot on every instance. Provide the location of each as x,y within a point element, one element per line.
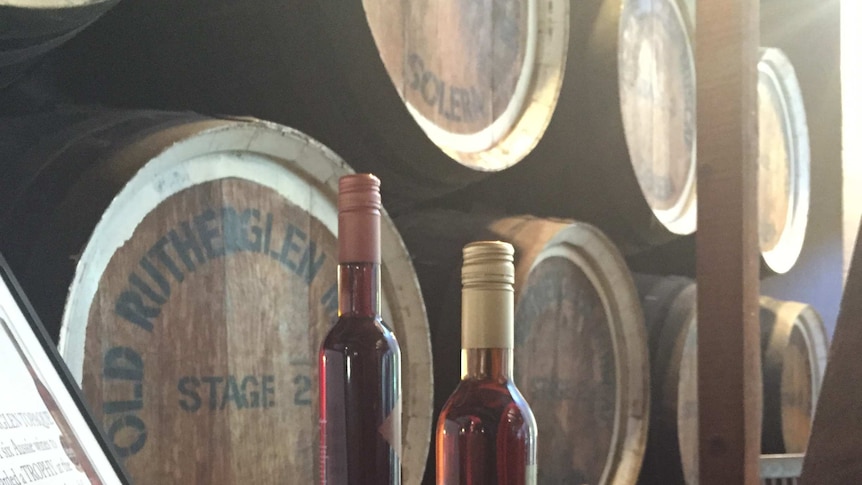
<point>486,433</point>
<point>359,361</point>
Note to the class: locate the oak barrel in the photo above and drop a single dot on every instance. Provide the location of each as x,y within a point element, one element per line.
<point>387,85</point>
<point>619,150</point>
<point>784,162</point>
<point>580,347</point>
<point>198,255</point>
<point>794,348</point>
<point>783,189</point>
<point>31,28</point>
<point>427,95</point>
<point>669,306</point>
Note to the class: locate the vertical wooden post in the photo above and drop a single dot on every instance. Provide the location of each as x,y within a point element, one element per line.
<point>729,380</point>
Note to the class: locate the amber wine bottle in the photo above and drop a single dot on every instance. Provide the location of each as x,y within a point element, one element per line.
<point>359,361</point>
<point>486,433</point>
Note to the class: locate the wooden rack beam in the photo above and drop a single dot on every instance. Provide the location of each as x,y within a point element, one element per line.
<point>729,380</point>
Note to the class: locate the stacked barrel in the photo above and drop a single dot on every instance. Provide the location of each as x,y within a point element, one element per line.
<point>187,265</point>
<point>793,348</point>
<point>182,251</point>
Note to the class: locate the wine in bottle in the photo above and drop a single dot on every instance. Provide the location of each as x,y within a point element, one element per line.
<point>359,360</point>
<point>486,433</point>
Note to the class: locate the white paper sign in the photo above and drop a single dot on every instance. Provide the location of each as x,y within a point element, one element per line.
<point>43,438</point>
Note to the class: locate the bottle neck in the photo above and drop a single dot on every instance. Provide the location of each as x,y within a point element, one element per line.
<point>487,331</point>
<point>359,289</point>
<point>485,364</point>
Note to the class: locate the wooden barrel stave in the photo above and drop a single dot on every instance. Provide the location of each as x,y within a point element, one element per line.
<point>669,304</point>
<point>105,216</point>
<point>564,275</point>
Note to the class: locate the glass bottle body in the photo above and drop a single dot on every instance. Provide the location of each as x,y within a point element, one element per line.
<point>486,433</point>
<point>360,387</point>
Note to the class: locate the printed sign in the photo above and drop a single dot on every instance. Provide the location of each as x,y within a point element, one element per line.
<point>44,437</point>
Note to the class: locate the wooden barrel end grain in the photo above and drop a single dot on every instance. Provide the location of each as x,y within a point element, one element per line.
<point>657,100</point>
<point>784,162</point>
<point>481,78</point>
<point>581,359</point>
<point>580,346</point>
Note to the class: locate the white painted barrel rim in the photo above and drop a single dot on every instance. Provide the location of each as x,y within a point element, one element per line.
<point>513,134</point>
<point>680,219</point>
<point>283,160</point>
<point>588,248</point>
<point>777,68</point>
<point>689,351</point>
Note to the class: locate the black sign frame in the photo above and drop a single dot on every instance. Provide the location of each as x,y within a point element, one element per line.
<point>80,412</point>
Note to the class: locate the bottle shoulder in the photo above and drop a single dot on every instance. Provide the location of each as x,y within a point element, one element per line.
<point>361,331</point>
<point>487,399</point>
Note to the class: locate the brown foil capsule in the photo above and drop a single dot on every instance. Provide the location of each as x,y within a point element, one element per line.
<point>359,208</point>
